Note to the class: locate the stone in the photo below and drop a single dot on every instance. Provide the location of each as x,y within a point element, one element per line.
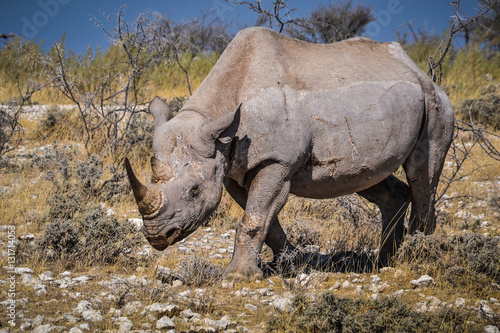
<point>189,314</point>
<point>83,306</point>
<point>93,316</point>
<point>491,329</point>
<point>484,310</point>
<point>177,283</point>
<point>115,313</point>
<point>347,284</point>
<point>282,303</point>
<point>75,330</point>
<point>399,274</point>
<point>423,281</point>
<point>22,270</point>
<point>38,321</point>
<point>40,289</point>
<point>421,306</point>
<point>217,324</point>
<point>132,308</point>
<point>65,274</point>
<point>46,276</point>
<point>335,286</point>
<point>250,307</point>
<point>165,323</point>
<point>83,279</point>
<point>359,290</point>
<point>163,309</point>
<point>460,302</point>
<point>42,329</point>
<point>125,324</point>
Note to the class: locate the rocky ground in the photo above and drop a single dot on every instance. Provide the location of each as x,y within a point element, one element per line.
<point>155,299</point>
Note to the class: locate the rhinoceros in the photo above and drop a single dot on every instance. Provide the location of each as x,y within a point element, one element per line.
<point>276,116</point>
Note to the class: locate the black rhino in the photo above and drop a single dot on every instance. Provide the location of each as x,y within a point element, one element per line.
<point>276,116</point>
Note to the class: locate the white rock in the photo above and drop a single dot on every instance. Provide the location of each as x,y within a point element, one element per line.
<point>38,320</point>
<point>423,281</point>
<point>250,307</point>
<point>359,290</point>
<point>460,302</point>
<point>387,269</point>
<point>189,314</point>
<point>65,274</point>
<point>132,308</point>
<point>22,270</point>
<point>484,310</point>
<point>347,284</point>
<point>225,236</point>
<point>375,279</point>
<point>163,309</point>
<point>40,289</point>
<point>83,279</point>
<point>398,274</point>
<point>421,306</point>
<point>42,329</point>
<point>46,276</point>
<point>83,306</point>
<point>165,323</point>
<point>75,330</point>
<point>491,329</point>
<point>92,315</point>
<point>282,303</point>
<point>217,324</point>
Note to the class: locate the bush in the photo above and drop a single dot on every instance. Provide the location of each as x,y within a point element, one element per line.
<point>198,272</point>
<point>90,237</point>
<point>465,259</point>
<point>330,313</point>
<point>484,109</point>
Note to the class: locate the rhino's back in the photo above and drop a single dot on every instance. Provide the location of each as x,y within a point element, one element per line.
<point>340,115</point>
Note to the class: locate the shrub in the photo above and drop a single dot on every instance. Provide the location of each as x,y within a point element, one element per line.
<point>484,109</point>
<point>464,259</point>
<point>90,237</point>
<point>198,272</point>
<point>330,313</point>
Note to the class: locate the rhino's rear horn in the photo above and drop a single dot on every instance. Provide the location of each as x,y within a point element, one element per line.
<point>148,199</point>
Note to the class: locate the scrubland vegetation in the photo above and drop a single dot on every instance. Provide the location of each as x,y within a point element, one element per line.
<point>67,122</point>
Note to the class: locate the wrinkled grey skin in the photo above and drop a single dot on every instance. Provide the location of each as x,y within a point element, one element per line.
<point>317,121</point>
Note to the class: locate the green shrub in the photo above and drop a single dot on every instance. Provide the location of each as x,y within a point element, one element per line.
<point>198,272</point>
<point>484,109</point>
<point>91,237</point>
<point>330,313</point>
<point>465,259</point>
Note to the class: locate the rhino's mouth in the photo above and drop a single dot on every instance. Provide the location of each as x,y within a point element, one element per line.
<point>161,242</point>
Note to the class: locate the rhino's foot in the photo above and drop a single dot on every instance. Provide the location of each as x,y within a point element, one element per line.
<point>240,273</point>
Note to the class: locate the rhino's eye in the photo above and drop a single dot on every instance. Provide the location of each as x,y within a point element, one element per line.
<point>194,191</point>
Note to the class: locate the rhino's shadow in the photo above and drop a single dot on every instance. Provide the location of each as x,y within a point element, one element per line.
<point>338,262</point>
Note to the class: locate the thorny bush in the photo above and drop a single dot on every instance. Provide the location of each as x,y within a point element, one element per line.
<point>463,259</point>
<point>331,313</point>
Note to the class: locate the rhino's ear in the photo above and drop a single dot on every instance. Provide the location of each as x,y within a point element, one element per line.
<point>160,111</point>
<point>223,129</point>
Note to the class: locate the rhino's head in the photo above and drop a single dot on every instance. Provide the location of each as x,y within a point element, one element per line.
<point>188,171</point>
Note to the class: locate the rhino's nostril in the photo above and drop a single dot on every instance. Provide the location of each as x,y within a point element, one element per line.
<point>170,233</point>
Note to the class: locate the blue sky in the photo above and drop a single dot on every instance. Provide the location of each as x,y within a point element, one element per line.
<point>47,19</point>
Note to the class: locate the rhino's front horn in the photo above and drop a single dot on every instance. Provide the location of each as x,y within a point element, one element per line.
<point>148,199</point>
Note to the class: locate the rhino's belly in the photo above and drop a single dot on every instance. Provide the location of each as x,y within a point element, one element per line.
<point>327,181</point>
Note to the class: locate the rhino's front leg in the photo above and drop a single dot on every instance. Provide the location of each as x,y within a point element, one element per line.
<point>267,195</point>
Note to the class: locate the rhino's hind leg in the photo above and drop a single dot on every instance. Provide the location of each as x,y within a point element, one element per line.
<point>268,191</point>
<point>425,163</point>
<point>392,196</point>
